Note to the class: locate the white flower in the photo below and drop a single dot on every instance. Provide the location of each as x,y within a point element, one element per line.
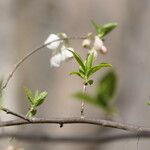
<point>55,37</point>
<point>60,52</point>
<point>60,57</point>
<point>51,38</point>
<point>86,43</point>
<point>99,45</point>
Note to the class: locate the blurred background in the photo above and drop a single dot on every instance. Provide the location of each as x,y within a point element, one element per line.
<point>25,24</point>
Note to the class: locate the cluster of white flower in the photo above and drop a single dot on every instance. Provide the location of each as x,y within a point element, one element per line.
<point>59,49</point>
<point>97,46</point>
<point>59,46</point>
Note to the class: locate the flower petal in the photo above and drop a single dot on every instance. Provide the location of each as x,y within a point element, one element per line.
<point>103,50</point>
<point>56,60</point>
<point>98,43</point>
<point>54,45</point>
<point>65,53</point>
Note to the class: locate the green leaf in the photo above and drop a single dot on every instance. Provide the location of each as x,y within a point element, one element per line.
<point>78,59</point>
<point>89,61</point>
<point>40,98</point>
<point>36,95</point>
<point>148,103</point>
<point>97,26</point>
<point>107,86</point>
<point>107,28</point>
<point>85,97</point>
<point>105,91</point>
<point>78,74</point>
<point>98,67</point>
<point>105,104</point>
<point>29,95</point>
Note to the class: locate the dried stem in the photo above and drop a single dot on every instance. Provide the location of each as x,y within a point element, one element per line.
<point>82,102</point>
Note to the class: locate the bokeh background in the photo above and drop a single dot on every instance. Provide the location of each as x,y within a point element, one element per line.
<point>25,24</point>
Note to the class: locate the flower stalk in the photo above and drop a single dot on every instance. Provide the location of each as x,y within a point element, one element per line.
<point>82,102</point>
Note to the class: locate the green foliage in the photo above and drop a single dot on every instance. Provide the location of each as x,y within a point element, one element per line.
<point>35,100</point>
<point>105,91</point>
<point>86,69</point>
<point>103,30</point>
<point>148,103</point>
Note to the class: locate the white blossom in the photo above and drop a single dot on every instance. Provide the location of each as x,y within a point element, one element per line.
<point>53,45</point>
<point>86,43</point>
<point>99,45</point>
<point>60,57</point>
<point>59,48</point>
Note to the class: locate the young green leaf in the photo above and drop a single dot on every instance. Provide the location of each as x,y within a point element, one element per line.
<point>89,61</point>
<point>40,98</point>
<point>96,68</point>
<point>107,28</point>
<point>77,73</point>
<point>97,26</point>
<point>78,59</point>
<point>29,95</point>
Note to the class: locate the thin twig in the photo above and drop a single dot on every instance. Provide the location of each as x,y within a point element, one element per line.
<point>82,102</point>
<point>14,113</point>
<point>16,66</point>
<point>98,122</point>
<point>31,137</point>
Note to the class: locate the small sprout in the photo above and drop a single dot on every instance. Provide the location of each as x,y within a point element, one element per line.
<point>35,99</point>
<point>86,69</point>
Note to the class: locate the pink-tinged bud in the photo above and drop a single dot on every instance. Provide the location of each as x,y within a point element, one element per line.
<point>98,43</point>
<point>86,43</point>
<point>103,49</point>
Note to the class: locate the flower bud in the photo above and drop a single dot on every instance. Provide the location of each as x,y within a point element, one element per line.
<point>86,43</point>
<point>98,43</point>
<point>103,49</point>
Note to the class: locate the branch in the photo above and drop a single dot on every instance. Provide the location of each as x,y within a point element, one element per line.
<point>61,121</point>
<point>14,113</point>
<point>74,139</point>
<point>17,65</point>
